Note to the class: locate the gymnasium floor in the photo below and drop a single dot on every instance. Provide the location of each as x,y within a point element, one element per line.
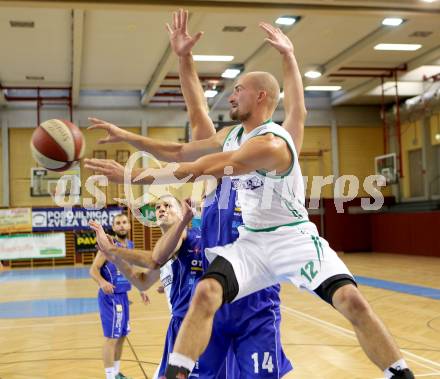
<point>50,328</point>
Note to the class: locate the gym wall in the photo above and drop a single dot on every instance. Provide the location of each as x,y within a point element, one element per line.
<point>21,162</point>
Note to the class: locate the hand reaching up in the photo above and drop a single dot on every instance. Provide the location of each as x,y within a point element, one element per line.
<point>180,40</point>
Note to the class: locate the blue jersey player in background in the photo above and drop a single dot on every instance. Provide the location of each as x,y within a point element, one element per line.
<point>178,262</point>
<point>113,300</point>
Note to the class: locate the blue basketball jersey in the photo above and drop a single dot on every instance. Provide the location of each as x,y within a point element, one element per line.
<point>247,331</point>
<point>221,218</point>
<point>111,274</point>
<point>179,274</point>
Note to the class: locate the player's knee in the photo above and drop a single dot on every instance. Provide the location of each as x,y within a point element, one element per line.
<point>111,341</point>
<point>208,295</point>
<point>349,301</point>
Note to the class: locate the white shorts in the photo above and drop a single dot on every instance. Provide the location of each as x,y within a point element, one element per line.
<point>289,253</point>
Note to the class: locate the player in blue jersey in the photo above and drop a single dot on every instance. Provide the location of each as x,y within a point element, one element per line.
<point>113,300</point>
<point>180,257</point>
<point>250,327</point>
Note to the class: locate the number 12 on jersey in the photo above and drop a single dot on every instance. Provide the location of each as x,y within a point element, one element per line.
<point>267,363</point>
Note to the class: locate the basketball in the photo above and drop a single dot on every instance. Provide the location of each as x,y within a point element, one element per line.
<point>57,144</point>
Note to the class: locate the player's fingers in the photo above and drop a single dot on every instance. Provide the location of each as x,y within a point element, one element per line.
<point>264,27</point>
<point>185,20</point>
<point>95,120</point>
<point>267,27</point>
<point>102,170</point>
<point>180,16</point>
<point>93,225</point>
<point>175,20</point>
<point>197,36</point>
<point>103,140</point>
<point>168,27</point>
<point>99,126</point>
<point>96,162</point>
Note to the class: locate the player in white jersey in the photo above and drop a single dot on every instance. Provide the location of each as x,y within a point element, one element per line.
<point>277,242</point>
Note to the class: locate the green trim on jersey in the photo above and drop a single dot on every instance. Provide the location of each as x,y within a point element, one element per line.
<point>318,247</point>
<point>265,172</point>
<point>273,228</point>
<point>229,133</point>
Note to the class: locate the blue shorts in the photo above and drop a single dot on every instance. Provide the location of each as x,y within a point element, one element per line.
<point>115,314</point>
<point>209,371</point>
<point>249,332</point>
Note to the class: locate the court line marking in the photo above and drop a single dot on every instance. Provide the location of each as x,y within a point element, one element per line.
<point>137,358</point>
<point>350,334</point>
<point>53,325</point>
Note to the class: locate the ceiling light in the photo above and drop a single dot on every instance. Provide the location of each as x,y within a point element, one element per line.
<point>213,58</point>
<point>323,88</point>
<point>285,20</point>
<point>312,74</point>
<point>210,93</point>
<point>437,136</point>
<point>398,46</point>
<point>231,73</point>
<point>392,21</point>
<point>428,1</point>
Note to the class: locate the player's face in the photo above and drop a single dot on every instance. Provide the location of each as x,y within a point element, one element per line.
<point>121,226</point>
<point>242,100</point>
<point>167,211</point>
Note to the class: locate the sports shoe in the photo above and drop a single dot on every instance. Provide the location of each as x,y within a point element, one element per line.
<point>174,372</point>
<point>402,374</point>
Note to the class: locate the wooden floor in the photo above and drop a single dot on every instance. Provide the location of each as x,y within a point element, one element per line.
<point>318,341</point>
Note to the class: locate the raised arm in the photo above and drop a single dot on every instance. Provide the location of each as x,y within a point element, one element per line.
<point>266,152</point>
<point>182,43</point>
<point>294,104</point>
<point>171,241</point>
<point>162,150</point>
<point>142,258</point>
<point>141,278</point>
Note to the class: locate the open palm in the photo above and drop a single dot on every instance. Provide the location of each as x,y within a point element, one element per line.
<point>114,133</point>
<point>277,38</point>
<point>180,40</point>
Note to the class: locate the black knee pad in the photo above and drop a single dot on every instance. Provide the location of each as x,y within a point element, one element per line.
<point>221,270</point>
<point>327,289</point>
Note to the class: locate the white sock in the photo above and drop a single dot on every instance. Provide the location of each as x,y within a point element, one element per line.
<point>180,360</point>
<point>117,366</point>
<point>110,373</point>
<point>399,365</point>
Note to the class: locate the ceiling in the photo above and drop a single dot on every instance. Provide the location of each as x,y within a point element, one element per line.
<point>119,50</point>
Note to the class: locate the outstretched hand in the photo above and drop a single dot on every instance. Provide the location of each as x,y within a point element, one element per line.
<point>114,133</point>
<point>180,40</point>
<point>113,170</point>
<point>277,38</point>
<point>187,211</point>
<point>144,297</point>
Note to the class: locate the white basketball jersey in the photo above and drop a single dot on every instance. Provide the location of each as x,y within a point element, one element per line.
<point>268,201</point>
